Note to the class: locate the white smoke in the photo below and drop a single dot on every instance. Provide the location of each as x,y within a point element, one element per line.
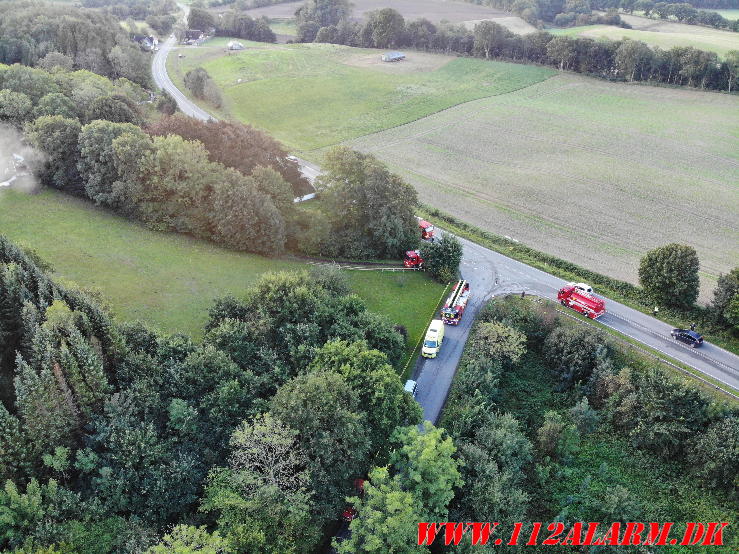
<point>18,160</point>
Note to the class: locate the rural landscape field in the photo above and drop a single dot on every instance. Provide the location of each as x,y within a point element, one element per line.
<point>170,281</point>
<point>664,34</point>
<point>549,160</point>
<point>315,95</point>
<point>595,172</point>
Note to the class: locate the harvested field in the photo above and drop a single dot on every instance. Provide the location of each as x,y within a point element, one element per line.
<point>664,34</point>
<point>433,10</point>
<point>594,172</point>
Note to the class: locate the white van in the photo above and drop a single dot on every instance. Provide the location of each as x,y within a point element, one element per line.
<point>584,287</point>
<point>411,387</point>
<point>434,338</point>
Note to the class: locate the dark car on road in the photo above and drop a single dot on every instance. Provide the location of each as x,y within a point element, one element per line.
<point>687,336</point>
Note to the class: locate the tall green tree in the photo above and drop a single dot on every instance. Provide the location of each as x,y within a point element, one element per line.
<point>263,498</point>
<point>388,518</point>
<point>332,433</point>
<point>97,161</point>
<point>323,13</point>
<point>15,108</point>
<point>387,27</point>
<point>424,464</point>
<point>669,275</point>
<point>442,258</point>
<point>58,137</point>
<point>376,385</point>
<point>371,209</point>
<point>727,289</point>
<point>499,342</point>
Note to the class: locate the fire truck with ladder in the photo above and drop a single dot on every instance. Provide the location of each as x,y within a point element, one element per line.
<point>581,301</point>
<point>452,312</point>
<point>427,230</point>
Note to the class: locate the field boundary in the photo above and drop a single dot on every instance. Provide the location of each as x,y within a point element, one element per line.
<point>456,55</point>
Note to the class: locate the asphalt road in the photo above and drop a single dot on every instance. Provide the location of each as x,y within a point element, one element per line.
<point>491,273</point>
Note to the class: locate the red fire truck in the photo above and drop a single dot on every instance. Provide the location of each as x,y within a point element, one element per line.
<point>452,312</point>
<point>427,230</point>
<point>584,302</point>
<point>413,259</point>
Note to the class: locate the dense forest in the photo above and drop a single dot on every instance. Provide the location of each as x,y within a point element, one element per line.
<point>623,60</point>
<point>112,433</point>
<point>51,35</point>
<point>553,421</point>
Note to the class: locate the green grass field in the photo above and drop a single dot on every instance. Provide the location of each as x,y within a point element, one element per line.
<point>284,27</point>
<point>314,95</point>
<point>170,280</point>
<point>668,35</point>
<point>727,14</point>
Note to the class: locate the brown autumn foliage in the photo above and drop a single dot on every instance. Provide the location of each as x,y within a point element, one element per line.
<point>235,145</point>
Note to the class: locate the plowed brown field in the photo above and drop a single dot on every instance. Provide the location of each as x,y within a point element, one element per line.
<point>594,172</point>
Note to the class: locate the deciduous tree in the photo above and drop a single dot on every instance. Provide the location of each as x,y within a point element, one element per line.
<point>669,274</point>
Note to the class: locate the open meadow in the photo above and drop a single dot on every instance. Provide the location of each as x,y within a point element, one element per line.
<point>594,172</point>
<point>664,34</point>
<point>170,280</point>
<point>314,95</point>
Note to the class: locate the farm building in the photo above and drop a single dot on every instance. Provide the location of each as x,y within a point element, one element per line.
<point>193,36</point>
<point>393,56</point>
<point>233,45</point>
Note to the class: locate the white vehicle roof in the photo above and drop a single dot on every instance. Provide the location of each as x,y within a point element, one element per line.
<point>410,384</point>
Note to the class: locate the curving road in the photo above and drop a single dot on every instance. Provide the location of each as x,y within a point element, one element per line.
<point>491,273</point>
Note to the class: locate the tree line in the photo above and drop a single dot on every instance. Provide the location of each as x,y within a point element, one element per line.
<point>563,12</point>
<point>88,39</point>
<point>233,23</point>
<point>623,60</point>
<point>221,181</point>
<point>683,12</point>
<point>114,433</point>
<point>669,277</point>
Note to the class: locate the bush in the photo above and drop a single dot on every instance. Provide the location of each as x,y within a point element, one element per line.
<point>573,353</point>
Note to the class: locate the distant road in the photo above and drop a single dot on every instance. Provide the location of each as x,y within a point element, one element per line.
<point>187,106</point>
<point>491,273</point>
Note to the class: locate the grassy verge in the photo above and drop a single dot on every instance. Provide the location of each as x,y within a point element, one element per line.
<point>170,280</point>
<point>620,291</point>
<point>413,348</point>
<point>407,296</point>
